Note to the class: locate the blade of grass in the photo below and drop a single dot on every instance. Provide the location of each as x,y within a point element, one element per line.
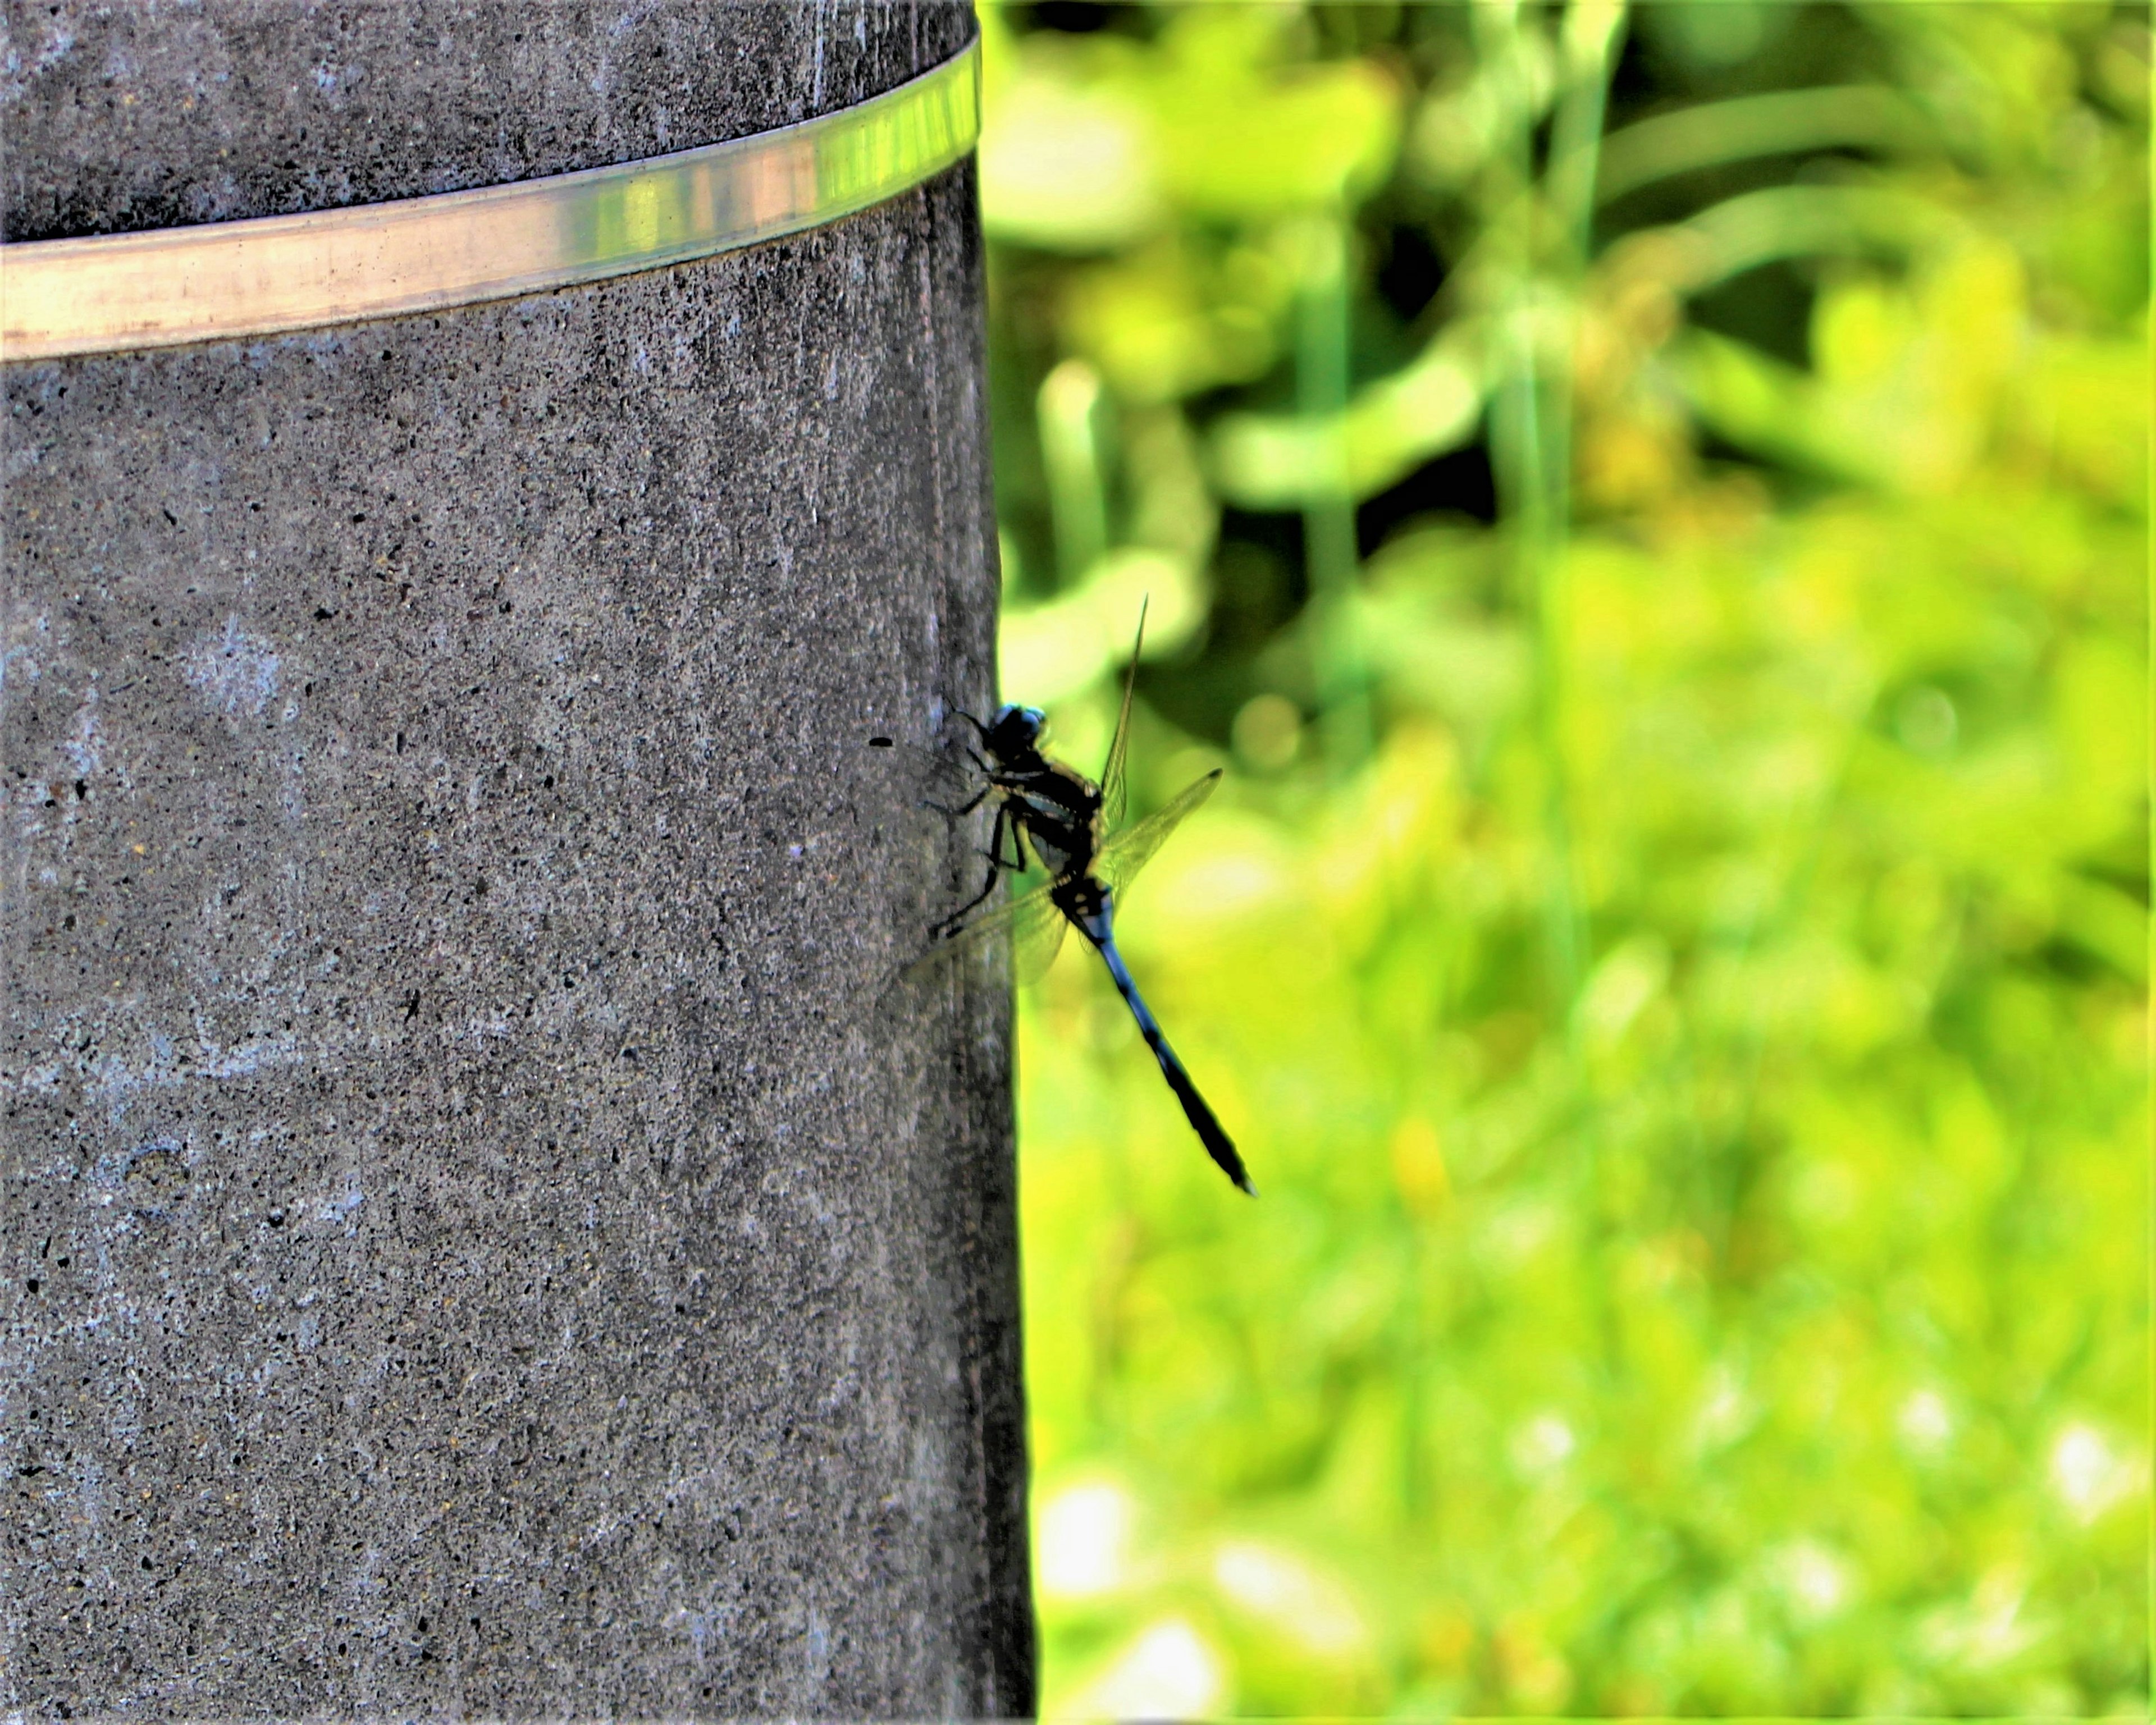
<point>1328,516</point>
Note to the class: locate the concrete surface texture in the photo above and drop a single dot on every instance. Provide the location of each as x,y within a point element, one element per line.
<point>472,1242</point>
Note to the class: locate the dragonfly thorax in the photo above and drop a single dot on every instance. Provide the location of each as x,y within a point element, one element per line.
<point>1046,806</point>
<point>1057,810</point>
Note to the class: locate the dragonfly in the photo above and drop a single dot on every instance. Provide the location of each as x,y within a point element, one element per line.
<point>1073,827</point>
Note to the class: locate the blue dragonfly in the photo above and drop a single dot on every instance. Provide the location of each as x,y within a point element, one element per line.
<point>1048,812</point>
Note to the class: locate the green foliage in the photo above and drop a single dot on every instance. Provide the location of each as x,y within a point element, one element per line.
<point>1652,510</point>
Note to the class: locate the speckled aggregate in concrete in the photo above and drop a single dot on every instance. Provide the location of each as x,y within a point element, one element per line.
<point>471,1243</point>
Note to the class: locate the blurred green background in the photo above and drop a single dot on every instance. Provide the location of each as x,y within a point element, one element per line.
<point>1651,507</point>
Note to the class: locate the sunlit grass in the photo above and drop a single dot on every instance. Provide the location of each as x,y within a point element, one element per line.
<point>1690,1032</point>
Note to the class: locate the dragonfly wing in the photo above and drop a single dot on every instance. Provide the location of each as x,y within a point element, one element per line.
<point>1114,789</point>
<point>931,777</point>
<point>1131,851</point>
<point>1032,925</point>
<point>1036,937</point>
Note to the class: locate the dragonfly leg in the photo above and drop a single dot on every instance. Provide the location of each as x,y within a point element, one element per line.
<point>997,866</point>
<point>965,808</point>
<point>980,731</point>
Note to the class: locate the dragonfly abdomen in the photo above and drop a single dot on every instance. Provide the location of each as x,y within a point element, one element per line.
<point>1096,924</point>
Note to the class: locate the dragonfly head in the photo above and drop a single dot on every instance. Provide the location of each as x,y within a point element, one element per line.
<point>1014,731</point>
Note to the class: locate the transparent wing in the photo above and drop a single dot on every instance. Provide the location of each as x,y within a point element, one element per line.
<point>1127,852</point>
<point>931,777</point>
<point>1114,789</point>
<point>1030,923</point>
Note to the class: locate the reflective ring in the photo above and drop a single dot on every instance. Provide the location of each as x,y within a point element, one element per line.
<point>110,293</point>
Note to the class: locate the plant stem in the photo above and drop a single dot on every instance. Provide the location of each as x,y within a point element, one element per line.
<point>1069,405</point>
<point>1330,557</point>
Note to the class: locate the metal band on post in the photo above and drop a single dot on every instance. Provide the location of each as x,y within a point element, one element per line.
<point>111,293</point>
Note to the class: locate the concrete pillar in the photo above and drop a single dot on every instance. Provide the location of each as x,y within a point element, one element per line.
<point>468,1247</point>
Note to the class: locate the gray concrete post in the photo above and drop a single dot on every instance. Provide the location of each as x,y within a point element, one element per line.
<point>467,1249</point>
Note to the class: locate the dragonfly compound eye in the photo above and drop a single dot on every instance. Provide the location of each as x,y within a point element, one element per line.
<point>1016,728</point>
